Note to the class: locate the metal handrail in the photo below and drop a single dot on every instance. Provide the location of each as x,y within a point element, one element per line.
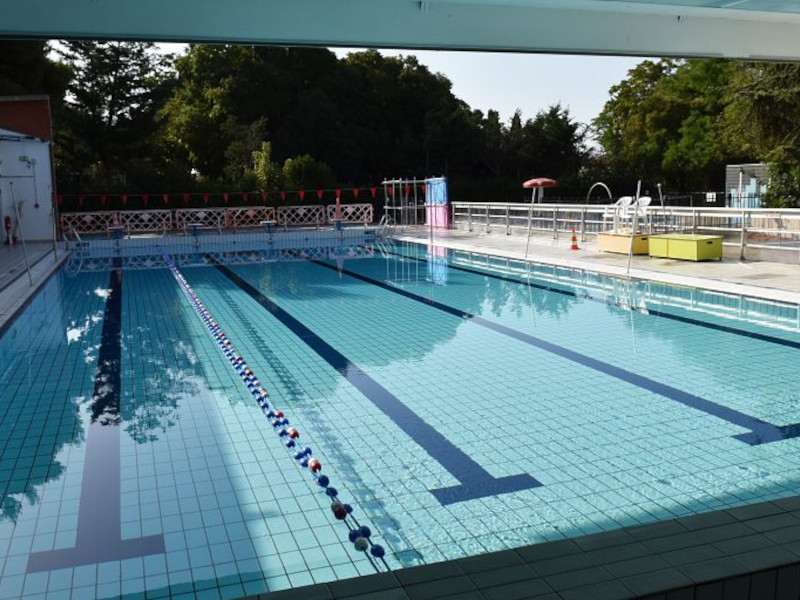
<point>21,234</point>
<point>761,228</point>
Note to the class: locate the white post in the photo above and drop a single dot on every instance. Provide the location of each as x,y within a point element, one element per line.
<point>530,222</point>
<point>741,200</point>
<point>742,240</point>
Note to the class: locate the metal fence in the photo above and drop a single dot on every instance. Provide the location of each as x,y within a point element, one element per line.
<point>757,228</point>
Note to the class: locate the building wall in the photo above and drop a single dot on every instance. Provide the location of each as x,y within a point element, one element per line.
<point>29,184</point>
<point>755,178</point>
<point>26,114</point>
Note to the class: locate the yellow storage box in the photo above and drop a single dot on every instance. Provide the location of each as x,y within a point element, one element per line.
<point>620,242</point>
<point>686,246</point>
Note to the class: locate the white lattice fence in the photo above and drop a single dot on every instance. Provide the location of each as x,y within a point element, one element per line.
<point>301,215</point>
<point>352,213</point>
<point>140,221</point>
<point>211,218</point>
<point>90,222</point>
<point>244,217</point>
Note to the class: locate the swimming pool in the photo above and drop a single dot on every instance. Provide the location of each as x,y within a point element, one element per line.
<point>461,403</point>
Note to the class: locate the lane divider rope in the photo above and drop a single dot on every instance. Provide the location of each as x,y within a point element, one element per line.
<point>360,535</point>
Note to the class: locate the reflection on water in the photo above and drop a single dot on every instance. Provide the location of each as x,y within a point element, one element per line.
<point>44,383</point>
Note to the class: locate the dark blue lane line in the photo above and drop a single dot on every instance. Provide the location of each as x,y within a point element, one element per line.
<point>760,431</point>
<point>99,534</point>
<point>474,480</point>
<point>656,313</point>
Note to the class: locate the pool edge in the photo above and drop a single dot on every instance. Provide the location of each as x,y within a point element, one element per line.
<point>712,553</point>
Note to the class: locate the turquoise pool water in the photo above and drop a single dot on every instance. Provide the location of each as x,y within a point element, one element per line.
<point>460,403</point>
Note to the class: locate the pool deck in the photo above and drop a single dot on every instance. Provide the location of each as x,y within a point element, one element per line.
<point>763,279</point>
<point>15,286</point>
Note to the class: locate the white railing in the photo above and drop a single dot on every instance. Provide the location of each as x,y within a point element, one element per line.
<point>129,221</point>
<point>761,228</point>
<point>244,217</point>
<point>146,221</point>
<point>185,219</point>
<point>90,222</point>
<point>352,213</point>
<point>302,215</point>
<point>203,218</point>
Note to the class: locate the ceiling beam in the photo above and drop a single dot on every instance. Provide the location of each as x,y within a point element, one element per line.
<point>567,26</point>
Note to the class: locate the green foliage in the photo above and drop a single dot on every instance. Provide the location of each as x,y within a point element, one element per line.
<point>110,128</point>
<point>765,116</point>
<point>305,172</point>
<point>366,116</point>
<point>25,69</point>
<point>664,123</point>
<point>268,175</point>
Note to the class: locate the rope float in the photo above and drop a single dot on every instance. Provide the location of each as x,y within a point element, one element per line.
<point>360,535</point>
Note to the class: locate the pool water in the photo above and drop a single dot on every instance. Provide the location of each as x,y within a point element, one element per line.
<point>461,403</point>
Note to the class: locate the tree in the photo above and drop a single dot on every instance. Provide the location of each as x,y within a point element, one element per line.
<point>115,93</point>
<point>764,117</point>
<point>553,144</point>
<point>305,172</point>
<point>666,122</point>
<point>268,175</point>
<point>25,68</point>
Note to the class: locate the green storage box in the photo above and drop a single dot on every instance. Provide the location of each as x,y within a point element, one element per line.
<point>686,246</point>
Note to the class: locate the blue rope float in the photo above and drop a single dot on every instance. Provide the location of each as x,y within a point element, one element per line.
<point>359,535</point>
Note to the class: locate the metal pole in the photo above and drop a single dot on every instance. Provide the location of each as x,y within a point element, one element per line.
<point>530,223</point>
<point>55,235</point>
<point>21,235</point>
<point>634,225</point>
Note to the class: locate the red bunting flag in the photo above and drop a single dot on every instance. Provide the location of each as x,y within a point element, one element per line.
<point>302,194</point>
<point>319,194</point>
<point>103,199</point>
<point>338,193</point>
<point>205,197</point>
<point>264,197</point>
<point>391,191</point>
<point>355,193</point>
<point>373,191</point>
<point>145,198</point>
<point>408,190</point>
<point>81,198</point>
<point>165,198</point>
<point>283,195</point>
<point>185,198</point>
<point>124,199</point>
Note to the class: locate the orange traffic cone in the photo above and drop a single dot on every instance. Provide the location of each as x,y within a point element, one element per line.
<point>574,241</point>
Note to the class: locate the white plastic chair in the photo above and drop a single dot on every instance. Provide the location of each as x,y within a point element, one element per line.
<point>617,211</point>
